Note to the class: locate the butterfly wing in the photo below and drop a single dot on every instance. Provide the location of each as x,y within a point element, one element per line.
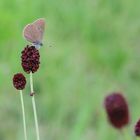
<point>30,33</point>
<point>40,28</point>
<point>34,32</point>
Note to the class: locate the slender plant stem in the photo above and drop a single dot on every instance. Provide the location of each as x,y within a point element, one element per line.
<point>34,106</point>
<point>23,113</point>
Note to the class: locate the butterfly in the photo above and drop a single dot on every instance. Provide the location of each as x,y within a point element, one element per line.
<point>34,32</point>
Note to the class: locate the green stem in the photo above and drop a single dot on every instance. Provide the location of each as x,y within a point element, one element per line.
<point>34,106</point>
<point>23,113</point>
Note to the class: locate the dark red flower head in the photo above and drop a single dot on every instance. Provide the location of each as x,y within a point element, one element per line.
<point>137,128</point>
<point>19,81</point>
<point>117,110</point>
<point>30,59</point>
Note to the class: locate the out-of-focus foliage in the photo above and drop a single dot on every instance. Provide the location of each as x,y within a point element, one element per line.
<point>95,49</point>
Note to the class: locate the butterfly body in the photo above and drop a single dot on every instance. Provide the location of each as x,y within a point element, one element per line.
<point>37,45</point>
<point>34,32</point>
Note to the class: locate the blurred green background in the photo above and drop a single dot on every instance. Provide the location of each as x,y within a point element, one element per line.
<point>95,50</point>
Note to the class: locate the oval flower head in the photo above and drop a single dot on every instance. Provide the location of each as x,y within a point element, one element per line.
<point>19,81</point>
<point>34,32</point>
<point>117,110</point>
<point>30,59</point>
<point>137,128</point>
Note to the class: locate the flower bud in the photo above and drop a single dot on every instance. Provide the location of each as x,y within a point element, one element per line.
<point>137,128</point>
<point>19,81</point>
<point>117,110</point>
<point>30,59</point>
